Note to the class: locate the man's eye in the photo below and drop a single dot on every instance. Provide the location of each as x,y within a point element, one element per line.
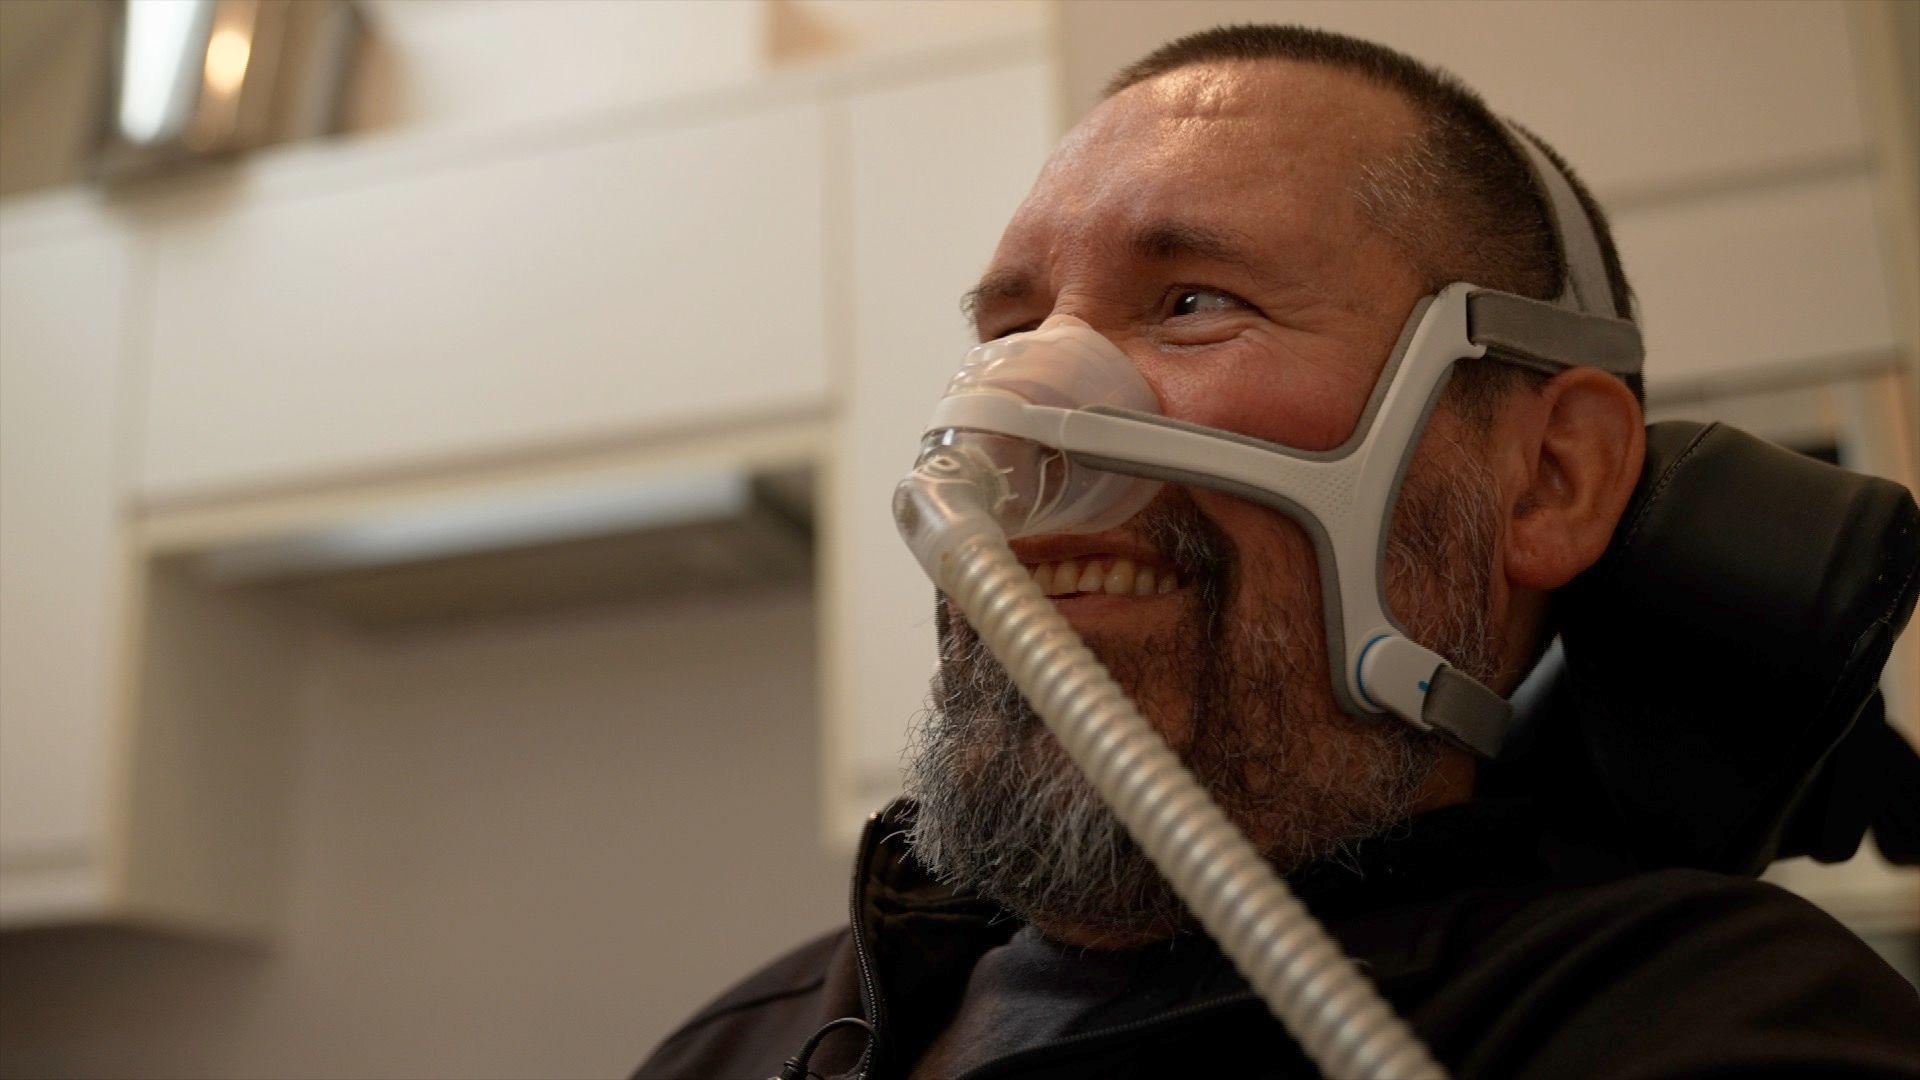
<point>1204,302</point>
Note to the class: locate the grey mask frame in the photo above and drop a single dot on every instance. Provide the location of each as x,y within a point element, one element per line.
<point>1343,498</point>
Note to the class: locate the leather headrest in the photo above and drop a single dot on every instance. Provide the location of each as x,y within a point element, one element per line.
<point>1723,647</point>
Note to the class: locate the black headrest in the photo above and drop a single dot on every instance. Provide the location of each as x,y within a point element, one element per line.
<point>1722,661</point>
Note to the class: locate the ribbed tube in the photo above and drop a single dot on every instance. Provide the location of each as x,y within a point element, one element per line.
<point>1322,998</point>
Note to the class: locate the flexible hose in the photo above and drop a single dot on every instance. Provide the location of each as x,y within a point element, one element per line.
<point>1324,1000</point>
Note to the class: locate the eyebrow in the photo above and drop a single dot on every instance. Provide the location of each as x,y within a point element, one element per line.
<point>997,285</point>
<point>1167,241</point>
<point>1164,241</point>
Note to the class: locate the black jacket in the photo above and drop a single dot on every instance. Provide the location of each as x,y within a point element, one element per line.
<point>1512,955</point>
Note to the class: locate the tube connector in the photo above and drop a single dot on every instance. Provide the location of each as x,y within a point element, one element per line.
<point>948,501</point>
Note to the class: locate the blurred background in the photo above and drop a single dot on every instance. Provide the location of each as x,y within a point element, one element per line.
<point>450,623</point>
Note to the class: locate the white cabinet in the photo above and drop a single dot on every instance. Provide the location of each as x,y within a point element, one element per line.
<point>62,563</point>
<point>322,337</point>
<point>937,168</point>
<point>636,283</point>
<point>318,343</point>
<point>143,724</point>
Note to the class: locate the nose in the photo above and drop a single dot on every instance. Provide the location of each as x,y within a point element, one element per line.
<point>1063,365</point>
<point>1063,318</point>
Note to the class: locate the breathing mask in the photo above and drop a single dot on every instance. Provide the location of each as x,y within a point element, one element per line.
<point>1095,445</point>
<point>1055,431</point>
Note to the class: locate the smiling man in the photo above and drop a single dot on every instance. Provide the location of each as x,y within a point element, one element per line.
<point>1250,216</point>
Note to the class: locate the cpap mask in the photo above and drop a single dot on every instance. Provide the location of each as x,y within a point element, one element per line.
<point>1056,431</point>
<point>1101,447</point>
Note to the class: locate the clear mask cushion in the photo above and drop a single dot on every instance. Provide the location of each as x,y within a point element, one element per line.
<point>1063,365</point>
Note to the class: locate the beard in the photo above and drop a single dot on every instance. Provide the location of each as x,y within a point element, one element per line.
<point>1002,811</point>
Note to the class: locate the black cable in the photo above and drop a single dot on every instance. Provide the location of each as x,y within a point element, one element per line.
<point>796,1066</point>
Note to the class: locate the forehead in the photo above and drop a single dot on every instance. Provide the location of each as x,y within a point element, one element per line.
<point>1266,149</point>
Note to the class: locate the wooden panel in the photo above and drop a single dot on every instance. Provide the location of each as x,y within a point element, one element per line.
<point>936,171</point>
<point>1640,96</point>
<point>1749,281</point>
<point>61,570</point>
<point>650,280</point>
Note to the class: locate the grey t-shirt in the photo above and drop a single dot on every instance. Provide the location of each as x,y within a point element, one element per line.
<point>1031,991</point>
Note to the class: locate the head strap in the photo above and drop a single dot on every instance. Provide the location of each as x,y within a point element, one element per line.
<point>1585,288</point>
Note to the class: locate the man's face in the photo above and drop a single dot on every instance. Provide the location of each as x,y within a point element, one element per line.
<point>1206,222</point>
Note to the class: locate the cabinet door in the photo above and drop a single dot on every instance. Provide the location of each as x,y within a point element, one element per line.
<point>61,565</point>
<point>936,170</point>
<point>624,285</point>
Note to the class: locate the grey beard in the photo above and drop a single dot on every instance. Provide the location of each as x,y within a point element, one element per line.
<point>1002,811</point>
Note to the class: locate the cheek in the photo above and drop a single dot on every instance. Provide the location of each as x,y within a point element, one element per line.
<point>1275,608</point>
<point>1276,569</point>
<point>1302,393</point>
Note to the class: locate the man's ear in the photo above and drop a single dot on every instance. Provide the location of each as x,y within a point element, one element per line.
<point>1579,445</point>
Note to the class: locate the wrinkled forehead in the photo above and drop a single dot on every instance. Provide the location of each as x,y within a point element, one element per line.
<point>1272,150</point>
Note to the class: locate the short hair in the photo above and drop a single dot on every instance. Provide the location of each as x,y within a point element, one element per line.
<point>1460,200</point>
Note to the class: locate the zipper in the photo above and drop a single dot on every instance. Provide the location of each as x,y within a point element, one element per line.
<point>1037,1054</point>
<point>863,961</point>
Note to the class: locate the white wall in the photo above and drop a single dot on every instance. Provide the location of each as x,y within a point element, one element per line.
<point>525,848</point>
<point>466,64</point>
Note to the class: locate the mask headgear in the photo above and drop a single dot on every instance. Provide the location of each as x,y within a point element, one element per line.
<point>1067,389</point>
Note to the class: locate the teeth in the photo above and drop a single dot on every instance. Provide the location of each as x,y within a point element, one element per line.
<point>1091,577</point>
<point>1066,578</point>
<point>1111,575</point>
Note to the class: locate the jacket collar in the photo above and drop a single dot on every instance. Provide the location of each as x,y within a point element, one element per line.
<point>1389,900</point>
<point>915,939</point>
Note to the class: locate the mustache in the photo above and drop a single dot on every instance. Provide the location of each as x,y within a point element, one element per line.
<point>1174,527</point>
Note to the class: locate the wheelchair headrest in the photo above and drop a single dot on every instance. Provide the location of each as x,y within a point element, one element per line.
<point>1721,653</point>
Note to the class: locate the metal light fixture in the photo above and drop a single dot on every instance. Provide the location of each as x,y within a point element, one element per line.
<point>205,78</point>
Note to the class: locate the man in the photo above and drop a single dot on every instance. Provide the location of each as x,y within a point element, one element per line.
<point>1250,215</point>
